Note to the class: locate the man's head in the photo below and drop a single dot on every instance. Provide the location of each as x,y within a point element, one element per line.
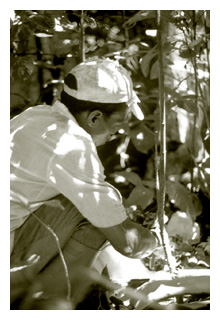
<point>99,93</point>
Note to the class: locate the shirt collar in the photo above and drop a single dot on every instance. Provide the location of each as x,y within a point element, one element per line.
<point>61,108</point>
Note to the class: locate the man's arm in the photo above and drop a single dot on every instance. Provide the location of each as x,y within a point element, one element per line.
<point>131,239</point>
<point>80,177</point>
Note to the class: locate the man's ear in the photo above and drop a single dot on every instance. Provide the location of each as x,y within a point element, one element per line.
<point>94,117</point>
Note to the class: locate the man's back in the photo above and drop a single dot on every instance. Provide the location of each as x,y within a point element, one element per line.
<point>37,135</point>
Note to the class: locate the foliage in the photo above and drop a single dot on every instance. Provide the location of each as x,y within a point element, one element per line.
<point>46,44</point>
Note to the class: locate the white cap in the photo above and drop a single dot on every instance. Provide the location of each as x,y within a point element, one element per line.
<point>102,81</point>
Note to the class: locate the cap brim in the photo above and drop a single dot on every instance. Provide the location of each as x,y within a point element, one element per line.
<point>137,112</point>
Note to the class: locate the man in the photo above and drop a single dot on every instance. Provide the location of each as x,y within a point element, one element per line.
<point>58,187</point>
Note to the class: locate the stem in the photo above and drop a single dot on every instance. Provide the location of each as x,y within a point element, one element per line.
<point>162,174</point>
<point>82,34</point>
<point>208,69</point>
<point>194,62</point>
<point>161,191</point>
<point>60,252</point>
<point>157,164</point>
<point>126,31</point>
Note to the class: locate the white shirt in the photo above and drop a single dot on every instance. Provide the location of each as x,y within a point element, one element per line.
<point>52,154</point>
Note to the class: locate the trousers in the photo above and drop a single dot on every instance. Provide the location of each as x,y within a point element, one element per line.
<point>78,239</point>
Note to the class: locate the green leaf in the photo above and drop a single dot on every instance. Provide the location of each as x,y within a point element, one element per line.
<point>186,126</point>
<point>22,68</point>
<point>43,22</point>
<point>146,60</point>
<point>131,177</point>
<point>204,177</point>
<point>195,42</point>
<point>142,137</point>
<point>140,196</point>
<point>43,35</point>
<point>183,199</point>
<point>186,53</point>
<point>186,101</point>
<point>139,16</point>
<point>154,72</point>
<point>24,33</point>
<point>149,183</point>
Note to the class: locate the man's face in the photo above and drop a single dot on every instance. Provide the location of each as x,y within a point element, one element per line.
<point>105,127</point>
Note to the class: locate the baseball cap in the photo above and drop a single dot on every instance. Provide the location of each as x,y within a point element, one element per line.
<point>103,81</point>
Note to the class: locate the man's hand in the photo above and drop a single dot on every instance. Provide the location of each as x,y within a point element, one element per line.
<point>131,239</point>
